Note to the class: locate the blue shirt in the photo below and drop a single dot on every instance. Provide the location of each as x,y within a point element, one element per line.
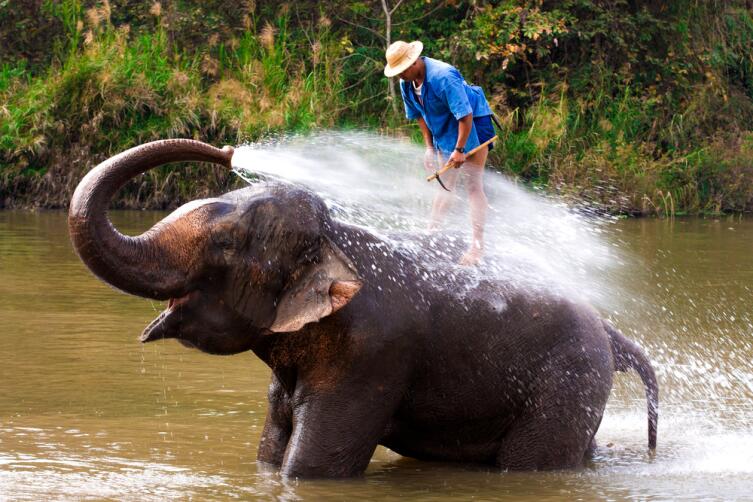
<point>446,99</point>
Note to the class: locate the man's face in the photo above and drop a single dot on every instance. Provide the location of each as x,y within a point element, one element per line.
<point>412,72</point>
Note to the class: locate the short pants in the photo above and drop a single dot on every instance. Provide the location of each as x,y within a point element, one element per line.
<point>484,129</point>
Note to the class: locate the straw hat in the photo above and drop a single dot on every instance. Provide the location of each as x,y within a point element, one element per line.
<point>400,55</point>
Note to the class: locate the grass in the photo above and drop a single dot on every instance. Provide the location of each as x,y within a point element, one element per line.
<point>629,147</point>
<point>119,90</point>
<point>600,150</point>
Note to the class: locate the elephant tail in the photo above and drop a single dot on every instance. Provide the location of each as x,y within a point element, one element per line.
<point>628,354</point>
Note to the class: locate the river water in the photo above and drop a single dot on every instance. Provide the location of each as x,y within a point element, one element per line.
<point>87,412</point>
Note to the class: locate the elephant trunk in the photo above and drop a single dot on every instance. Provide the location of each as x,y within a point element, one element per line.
<point>158,264</point>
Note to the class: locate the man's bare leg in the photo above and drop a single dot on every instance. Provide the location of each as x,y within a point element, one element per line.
<point>444,199</point>
<point>473,177</point>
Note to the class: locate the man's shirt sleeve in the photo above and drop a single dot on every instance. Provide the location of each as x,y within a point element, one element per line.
<point>411,112</point>
<point>454,91</point>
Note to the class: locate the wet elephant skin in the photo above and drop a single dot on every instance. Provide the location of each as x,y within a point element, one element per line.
<point>368,344</point>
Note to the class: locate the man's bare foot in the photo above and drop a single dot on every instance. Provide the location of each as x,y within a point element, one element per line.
<point>472,256</point>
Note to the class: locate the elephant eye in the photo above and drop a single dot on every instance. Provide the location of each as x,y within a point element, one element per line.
<point>223,241</point>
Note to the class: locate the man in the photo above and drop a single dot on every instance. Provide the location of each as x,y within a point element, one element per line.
<point>454,118</point>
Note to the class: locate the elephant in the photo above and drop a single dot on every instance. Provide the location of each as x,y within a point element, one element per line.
<point>368,343</point>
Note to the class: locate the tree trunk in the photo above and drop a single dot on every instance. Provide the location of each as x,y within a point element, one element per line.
<point>388,39</point>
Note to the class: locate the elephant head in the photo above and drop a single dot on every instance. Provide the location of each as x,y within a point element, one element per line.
<point>233,268</point>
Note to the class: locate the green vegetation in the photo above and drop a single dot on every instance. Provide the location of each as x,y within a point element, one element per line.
<point>640,107</point>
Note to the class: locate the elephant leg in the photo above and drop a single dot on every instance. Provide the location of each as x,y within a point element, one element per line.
<point>277,427</point>
<point>556,430</point>
<point>336,435</point>
<point>593,445</point>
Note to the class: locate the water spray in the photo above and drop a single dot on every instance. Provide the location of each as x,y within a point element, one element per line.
<point>450,163</point>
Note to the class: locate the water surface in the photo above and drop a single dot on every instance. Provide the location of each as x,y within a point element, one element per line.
<point>88,412</point>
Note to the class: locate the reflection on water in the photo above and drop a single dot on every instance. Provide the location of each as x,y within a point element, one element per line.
<point>88,412</point>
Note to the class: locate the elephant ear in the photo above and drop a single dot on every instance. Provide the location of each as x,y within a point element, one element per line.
<point>325,287</point>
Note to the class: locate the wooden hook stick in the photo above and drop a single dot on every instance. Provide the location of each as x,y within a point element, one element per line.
<point>451,163</point>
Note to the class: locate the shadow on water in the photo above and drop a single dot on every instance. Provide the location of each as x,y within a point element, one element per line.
<point>88,412</point>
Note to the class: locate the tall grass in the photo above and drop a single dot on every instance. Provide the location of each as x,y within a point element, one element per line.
<point>112,89</point>
<point>648,150</point>
<point>673,139</point>
<point>603,150</point>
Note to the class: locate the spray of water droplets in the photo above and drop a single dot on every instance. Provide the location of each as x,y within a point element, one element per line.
<point>380,183</point>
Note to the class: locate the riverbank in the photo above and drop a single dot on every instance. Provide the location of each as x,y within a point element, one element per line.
<point>635,109</point>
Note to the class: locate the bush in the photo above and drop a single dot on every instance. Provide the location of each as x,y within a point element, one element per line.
<point>120,89</point>
<point>643,107</point>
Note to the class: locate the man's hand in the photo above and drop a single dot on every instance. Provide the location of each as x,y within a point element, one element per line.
<point>457,157</point>
<point>430,159</point>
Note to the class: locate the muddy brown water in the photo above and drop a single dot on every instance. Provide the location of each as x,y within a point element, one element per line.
<point>87,412</point>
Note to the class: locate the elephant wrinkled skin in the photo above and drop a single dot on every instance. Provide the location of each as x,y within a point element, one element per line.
<point>367,345</point>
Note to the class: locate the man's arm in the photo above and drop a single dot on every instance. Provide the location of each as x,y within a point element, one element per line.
<point>464,129</point>
<point>426,133</point>
<point>460,107</point>
<point>430,156</point>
